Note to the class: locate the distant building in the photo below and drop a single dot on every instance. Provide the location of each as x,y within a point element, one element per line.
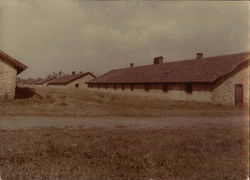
<point>26,82</point>
<point>217,80</point>
<point>9,69</point>
<point>74,80</point>
<point>43,82</point>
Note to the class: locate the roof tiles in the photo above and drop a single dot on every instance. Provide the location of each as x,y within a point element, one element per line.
<point>207,69</point>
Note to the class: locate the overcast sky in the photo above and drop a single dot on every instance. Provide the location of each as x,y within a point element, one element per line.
<point>98,36</point>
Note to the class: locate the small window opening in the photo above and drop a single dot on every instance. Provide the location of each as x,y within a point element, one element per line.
<point>123,87</point>
<point>147,87</point>
<point>189,88</point>
<point>77,85</point>
<point>132,87</point>
<point>115,87</point>
<point>165,88</point>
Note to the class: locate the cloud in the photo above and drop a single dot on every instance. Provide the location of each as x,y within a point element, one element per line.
<point>98,36</point>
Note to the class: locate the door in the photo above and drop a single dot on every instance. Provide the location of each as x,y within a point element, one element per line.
<point>238,94</point>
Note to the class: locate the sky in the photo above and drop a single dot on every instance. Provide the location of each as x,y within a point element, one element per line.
<point>98,36</point>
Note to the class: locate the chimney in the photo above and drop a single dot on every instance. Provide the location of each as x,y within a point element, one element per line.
<point>158,60</point>
<point>73,72</point>
<point>132,65</point>
<point>60,73</point>
<point>199,55</point>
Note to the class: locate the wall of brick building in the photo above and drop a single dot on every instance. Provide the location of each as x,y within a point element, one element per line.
<point>8,76</point>
<point>201,93</point>
<point>225,92</point>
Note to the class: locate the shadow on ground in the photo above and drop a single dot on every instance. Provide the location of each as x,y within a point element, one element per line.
<point>25,93</point>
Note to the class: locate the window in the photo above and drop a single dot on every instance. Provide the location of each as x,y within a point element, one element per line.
<point>146,87</point>
<point>98,86</point>
<point>123,87</point>
<point>115,86</point>
<point>165,88</point>
<point>77,85</point>
<point>106,86</point>
<point>189,88</point>
<point>132,87</point>
<point>238,94</point>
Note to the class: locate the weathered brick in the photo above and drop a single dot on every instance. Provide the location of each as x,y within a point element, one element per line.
<point>8,76</point>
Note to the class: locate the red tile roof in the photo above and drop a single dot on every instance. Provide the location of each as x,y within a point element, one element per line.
<point>207,69</point>
<point>15,63</point>
<point>68,79</point>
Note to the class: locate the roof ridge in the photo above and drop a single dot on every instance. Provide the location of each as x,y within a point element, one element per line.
<point>69,78</point>
<point>183,60</point>
<point>234,54</point>
<point>17,64</point>
<point>191,70</point>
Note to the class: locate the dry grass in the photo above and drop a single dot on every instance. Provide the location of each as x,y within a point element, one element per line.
<point>84,102</point>
<point>209,153</point>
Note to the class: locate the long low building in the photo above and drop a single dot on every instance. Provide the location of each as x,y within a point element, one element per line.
<point>217,80</point>
<point>9,69</point>
<point>72,81</point>
<point>43,82</point>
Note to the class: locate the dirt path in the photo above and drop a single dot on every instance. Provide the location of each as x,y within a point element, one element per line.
<point>28,122</point>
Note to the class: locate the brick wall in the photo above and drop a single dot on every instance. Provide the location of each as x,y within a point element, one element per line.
<point>225,92</point>
<point>201,93</point>
<point>8,76</point>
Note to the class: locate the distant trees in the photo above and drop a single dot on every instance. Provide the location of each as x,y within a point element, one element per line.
<point>56,75</point>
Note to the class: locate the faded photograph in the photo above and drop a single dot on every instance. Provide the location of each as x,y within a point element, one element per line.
<point>139,90</point>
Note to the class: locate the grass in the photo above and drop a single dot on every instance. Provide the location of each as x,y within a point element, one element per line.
<point>208,153</point>
<point>84,102</point>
